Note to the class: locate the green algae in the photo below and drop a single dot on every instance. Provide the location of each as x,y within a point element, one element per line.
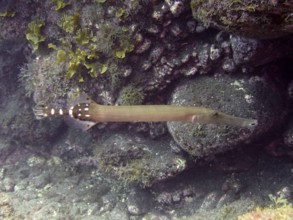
<point>33,33</point>
<point>60,4</point>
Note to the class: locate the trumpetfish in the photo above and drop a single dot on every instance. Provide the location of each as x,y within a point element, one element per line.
<point>88,113</point>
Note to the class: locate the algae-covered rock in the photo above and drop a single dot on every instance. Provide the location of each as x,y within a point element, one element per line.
<point>252,18</point>
<point>44,79</point>
<point>244,97</point>
<point>136,159</point>
<point>17,121</point>
<point>73,144</point>
<point>12,25</point>
<point>130,95</point>
<point>11,57</point>
<point>280,209</point>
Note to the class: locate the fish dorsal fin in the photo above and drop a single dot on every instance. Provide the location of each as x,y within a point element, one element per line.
<point>77,99</point>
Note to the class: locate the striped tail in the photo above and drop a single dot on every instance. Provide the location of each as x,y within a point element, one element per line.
<point>44,111</point>
<point>75,112</point>
<point>39,112</point>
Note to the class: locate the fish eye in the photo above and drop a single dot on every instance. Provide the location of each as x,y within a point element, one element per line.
<point>215,114</point>
<point>253,124</point>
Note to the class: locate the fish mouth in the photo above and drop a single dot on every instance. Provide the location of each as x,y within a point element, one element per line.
<point>250,123</point>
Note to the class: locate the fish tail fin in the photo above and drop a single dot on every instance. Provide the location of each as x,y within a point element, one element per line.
<point>40,112</point>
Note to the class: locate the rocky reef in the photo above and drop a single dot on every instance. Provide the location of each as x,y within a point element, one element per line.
<point>248,100</point>
<point>252,18</point>
<point>231,56</point>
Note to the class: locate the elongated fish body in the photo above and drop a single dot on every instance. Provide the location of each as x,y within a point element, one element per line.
<point>92,112</point>
<point>156,113</point>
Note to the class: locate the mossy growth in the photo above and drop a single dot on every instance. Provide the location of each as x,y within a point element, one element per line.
<point>122,13</point>
<point>128,162</point>
<point>198,131</point>
<point>209,11</point>
<point>131,95</point>
<point>261,20</point>
<point>100,1</point>
<point>281,209</point>
<point>69,23</point>
<point>7,13</point>
<point>60,4</point>
<point>6,9</point>
<point>114,40</point>
<point>135,171</point>
<point>43,79</point>
<point>33,33</point>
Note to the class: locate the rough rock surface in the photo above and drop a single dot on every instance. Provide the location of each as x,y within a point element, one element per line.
<point>17,121</point>
<point>134,52</point>
<point>254,52</point>
<point>136,159</point>
<point>252,18</point>
<point>288,139</point>
<point>247,97</point>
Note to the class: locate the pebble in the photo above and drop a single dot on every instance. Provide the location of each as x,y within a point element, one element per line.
<point>7,185</point>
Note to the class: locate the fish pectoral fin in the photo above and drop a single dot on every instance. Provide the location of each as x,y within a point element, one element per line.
<point>83,125</point>
<point>194,118</point>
